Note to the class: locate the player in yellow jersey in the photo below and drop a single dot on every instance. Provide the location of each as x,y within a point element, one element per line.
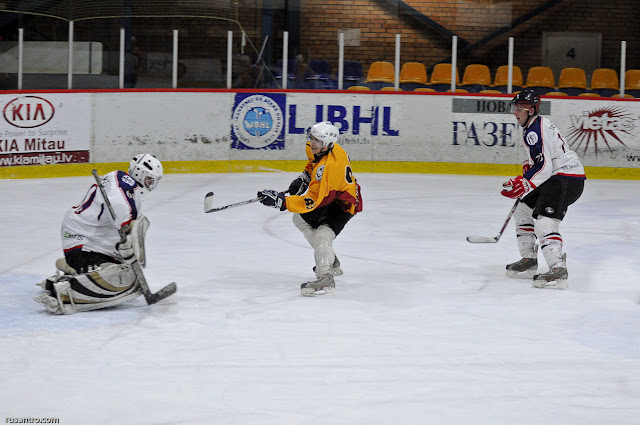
<point>323,199</point>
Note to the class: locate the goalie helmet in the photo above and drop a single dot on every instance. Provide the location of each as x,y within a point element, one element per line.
<point>325,132</point>
<point>146,170</point>
<point>527,97</point>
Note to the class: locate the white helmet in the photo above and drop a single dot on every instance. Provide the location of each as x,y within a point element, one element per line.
<point>325,132</point>
<point>146,170</point>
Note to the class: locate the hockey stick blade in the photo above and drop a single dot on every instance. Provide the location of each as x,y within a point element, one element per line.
<point>481,239</point>
<point>484,239</point>
<point>208,202</point>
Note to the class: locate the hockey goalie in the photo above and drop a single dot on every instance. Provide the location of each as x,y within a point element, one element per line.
<point>96,271</point>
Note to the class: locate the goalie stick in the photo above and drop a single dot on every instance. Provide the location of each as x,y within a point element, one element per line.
<point>487,239</point>
<point>208,203</point>
<point>150,297</point>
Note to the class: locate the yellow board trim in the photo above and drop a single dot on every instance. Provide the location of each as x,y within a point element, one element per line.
<point>238,166</point>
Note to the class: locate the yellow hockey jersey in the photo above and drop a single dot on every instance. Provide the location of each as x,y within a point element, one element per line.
<point>331,180</point>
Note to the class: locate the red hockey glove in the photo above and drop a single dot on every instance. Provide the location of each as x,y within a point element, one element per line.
<point>516,187</point>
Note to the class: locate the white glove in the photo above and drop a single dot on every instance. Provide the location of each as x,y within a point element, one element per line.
<point>125,249</point>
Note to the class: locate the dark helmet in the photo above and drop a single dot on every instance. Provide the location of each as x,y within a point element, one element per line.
<point>527,97</point>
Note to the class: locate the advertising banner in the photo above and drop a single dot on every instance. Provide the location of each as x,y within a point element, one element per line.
<point>44,129</point>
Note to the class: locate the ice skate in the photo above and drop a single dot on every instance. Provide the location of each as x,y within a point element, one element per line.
<point>322,285</point>
<point>335,267</point>
<point>555,278</point>
<point>525,268</point>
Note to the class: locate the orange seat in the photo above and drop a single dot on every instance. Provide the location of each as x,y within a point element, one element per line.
<point>476,77</point>
<point>587,94</point>
<point>389,89</point>
<point>442,74</point>
<point>632,79</point>
<point>502,75</point>
<point>627,95</point>
<point>541,77</point>
<point>424,89</point>
<point>459,91</point>
<point>413,72</point>
<point>381,72</point>
<point>574,78</point>
<point>490,91</point>
<point>358,88</point>
<point>556,93</point>
<point>604,78</point>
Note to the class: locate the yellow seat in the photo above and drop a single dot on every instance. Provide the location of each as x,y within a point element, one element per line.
<point>627,95</point>
<point>604,81</point>
<point>574,79</point>
<point>389,89</point>
<point>490,91</point>
<point>358,88</point>
<point>459,91</point>
<point>556,93</point>
<point>442,74</point>
<point>541,77</point>
<point>632,82</point>
<point>587,94</point>
<point>381,72</point>
<point>632,79</point>
<point>476,76</point>
<point>604,78</point>
<point>413,72</point>
<point>502,75</point>
<point>424,89</point>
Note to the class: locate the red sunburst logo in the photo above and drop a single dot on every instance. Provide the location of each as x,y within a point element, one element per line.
<point>600,130</point>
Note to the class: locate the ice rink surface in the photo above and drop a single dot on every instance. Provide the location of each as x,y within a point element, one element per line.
<point>423,328</point>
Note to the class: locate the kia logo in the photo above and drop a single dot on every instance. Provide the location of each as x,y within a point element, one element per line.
<point>28,111</point>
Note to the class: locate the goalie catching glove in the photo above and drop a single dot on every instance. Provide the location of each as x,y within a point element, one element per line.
<point>516,187</point>
<point>272,198</point>
<point>300,184</point>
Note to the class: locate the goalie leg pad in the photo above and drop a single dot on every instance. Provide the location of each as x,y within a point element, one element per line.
<point>105,286</point>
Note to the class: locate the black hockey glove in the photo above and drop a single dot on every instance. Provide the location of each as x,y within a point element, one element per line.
<point>300,184</point>
<point>274,199</point>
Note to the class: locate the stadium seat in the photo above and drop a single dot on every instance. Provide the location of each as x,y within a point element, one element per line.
<point>441,77</point>
<point>541,79</point>
<point>459,90</point>
<point>317,75</point>
<point>356,87</point>
<point>413,75</point>
<point>501,81</point>
<point>604,81</point>
<point>292,72</point>
<point>476,77</point>
<point>626,95</point>
<point>427,89</point>
<point>352,74</point>
<point>380,74</point>
<point>589,94</point>
<point>572,81</point>
<point>632,82</point>
<point>556,93</point>
<point>490,91</point>
<point>390,88</point>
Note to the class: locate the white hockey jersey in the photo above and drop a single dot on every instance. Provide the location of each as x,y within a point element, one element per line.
<point>89,225</point>
<point>549,154</point>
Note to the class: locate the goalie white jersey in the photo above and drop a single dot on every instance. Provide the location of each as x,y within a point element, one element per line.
<point>88,226</point>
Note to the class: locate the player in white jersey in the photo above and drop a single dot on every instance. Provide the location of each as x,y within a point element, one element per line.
<point>552,179</point>
<point>95,271</point>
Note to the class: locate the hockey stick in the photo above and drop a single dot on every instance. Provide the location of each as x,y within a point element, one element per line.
<point>208,203</point>
<point>150,297</point>
<point>486,239</point>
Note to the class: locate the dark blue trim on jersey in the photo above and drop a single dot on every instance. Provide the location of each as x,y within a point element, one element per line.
<point>127,184</point>
<point>535,151</point>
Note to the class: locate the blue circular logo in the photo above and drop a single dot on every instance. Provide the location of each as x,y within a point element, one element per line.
<point>257,121</point>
